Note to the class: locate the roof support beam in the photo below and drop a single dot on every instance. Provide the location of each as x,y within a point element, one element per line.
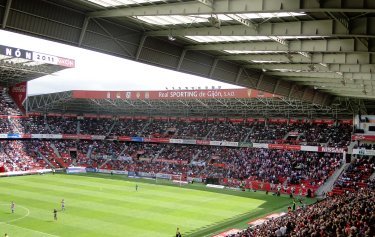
<point>6,13</point>
<point>328,75</point>
<point>307,67</point>
<point>213,67</point>
<point>315,28</point>
<point>140,47</point>
<point>83,31</point>
<point>238,74</point>
<point>238,7</point>
<point>327,45</point>
<point>327,58</point>
<point>181,59</point>
<point>259,80</point>
<point>276,86</point>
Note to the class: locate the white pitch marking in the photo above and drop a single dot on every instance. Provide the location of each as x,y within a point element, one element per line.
<point>30,229</point>
<point>22,217</point>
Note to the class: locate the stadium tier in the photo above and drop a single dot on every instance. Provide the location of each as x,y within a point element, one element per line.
<point>289,154</point>
<point>262,152</point>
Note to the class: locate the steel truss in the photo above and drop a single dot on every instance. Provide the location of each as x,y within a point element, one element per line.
<point>316,57</point>
<point>259,107</point>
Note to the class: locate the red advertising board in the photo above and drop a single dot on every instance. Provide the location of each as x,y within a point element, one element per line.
<point>239,120</point>
<point>363,137</point>
<point>157,140</point>
<point>69,136</point>
<point>18,93</point>
<point>293,121</point>
<point>346,121</point>
<point>323,121</point>
<point>173,94</point>
<point>26,136</point>
<point>124,138</point>
<point>250,120</point>
<point>202,142</point>
<point>284,147</point>
<point>331,149</point>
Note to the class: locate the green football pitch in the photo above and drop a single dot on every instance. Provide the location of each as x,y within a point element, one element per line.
<point>104,205</point>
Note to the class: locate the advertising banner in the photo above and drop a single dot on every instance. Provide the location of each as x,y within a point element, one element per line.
<point>18,93</point>
<point>163,176</point>
<point>158,140</point>
<point>284,147</point>
<point>36,56</point>
<point>202,142</point>
<point>363,137</point>
<point>260,145</point>
<point>331,149</point>
<point>84,136</point>
<point>363,152</point>
<point>176,141</point>
<point>172,161</point>
<point>69,136</point>
<point>14,136</point>
<point>137,139</point>
<point>245,144</point>
<point>189,141</point>
<point>173,94</point>
<point>223,143</point>
<point>309,148</point>
<point>46,136</point>
<point>92,170</point>
<point>75,170</point>
<point>97,137</point>
<point>124,138</point>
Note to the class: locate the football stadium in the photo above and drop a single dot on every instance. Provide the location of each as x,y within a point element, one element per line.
<point>289,152</point>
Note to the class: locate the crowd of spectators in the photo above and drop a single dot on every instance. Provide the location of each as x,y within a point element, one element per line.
<point>270,132</point>
<point>128,127</point>
<point>273,166</point>
<point>266,165</point>
<point>367,146</point>
<point>19,156</point>
<point>95,126</point>
<point>356,176</point>
<point>348,215</point>
<point>307,133</point>
<point>62,125</point>
<point>7,106</point>
<point>229,132</point>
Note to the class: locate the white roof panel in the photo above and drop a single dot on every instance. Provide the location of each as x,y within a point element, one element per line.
<point>252,52</point>
<point>210,39</point>
<point>116,3</point>
<point>270,15</point>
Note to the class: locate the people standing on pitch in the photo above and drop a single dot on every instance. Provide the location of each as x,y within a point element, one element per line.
<point>12,206</point>
<point>178,234</point>
<point>55,214</point>
<point>136,187</point>
<point>62,205</point>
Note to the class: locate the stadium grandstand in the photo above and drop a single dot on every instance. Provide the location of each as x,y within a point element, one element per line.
<point>289,154</point>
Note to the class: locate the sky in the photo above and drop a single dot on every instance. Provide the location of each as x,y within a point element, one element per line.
<point>92,74</point>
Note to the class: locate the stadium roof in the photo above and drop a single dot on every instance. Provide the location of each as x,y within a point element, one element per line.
<point>204,103</point>
<point>19,65</point>
<point>308,50</point>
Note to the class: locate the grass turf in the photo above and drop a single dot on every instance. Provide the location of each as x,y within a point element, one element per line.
<point>103,205</point>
